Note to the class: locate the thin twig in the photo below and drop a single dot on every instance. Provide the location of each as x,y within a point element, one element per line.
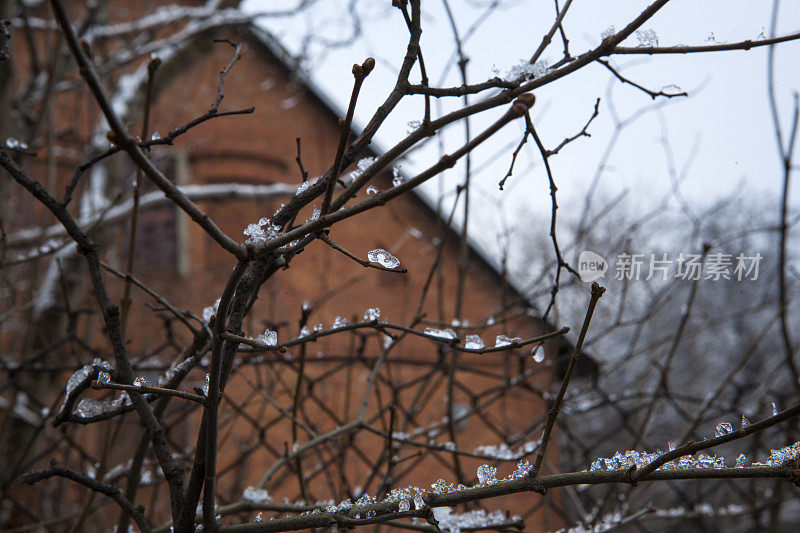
<point>555,408</point>
<point>146,389</point>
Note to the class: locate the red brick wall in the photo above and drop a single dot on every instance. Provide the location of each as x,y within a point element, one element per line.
<point>260,148</point>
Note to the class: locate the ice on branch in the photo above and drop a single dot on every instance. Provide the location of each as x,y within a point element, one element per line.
<point>383,258</point>
<point>470,520</point>
<point>82,375</point>
<point>448,334</point>
<point>373,313</point>
<point>608,32</point>
<point>502,340</point>
<point>315,214</point>
<point>538,354</point>
<point>504,452</point>
<point>339,322</point>
<point>269,337</point>
<point>256,495</point>
<point>625,460</point>
<point>303,187</point>
<point>647,38</point>
<point>371,190</point>
<point>13,143</point>
<point>362,165</point>
<point>525,70</point>
<point>722,429</point>
<point>782,456</point>
<point>261,231</point>
<point>487,475</point>
<point>210,311</point>
<point>474,342</point>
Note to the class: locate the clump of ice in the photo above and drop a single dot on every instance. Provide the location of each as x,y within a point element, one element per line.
<point>502,340</point>
<point>525,70</point>
<point>261,231</point>
<point>254,494</point>
<point>383,258</point>
<point>269,337</point>
<point>448,334</point>
<point>373,313</point>
<point>474,342</point>
<point>647,38</point>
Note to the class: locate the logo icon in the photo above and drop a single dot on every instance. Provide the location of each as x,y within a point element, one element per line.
<point>591,266</point>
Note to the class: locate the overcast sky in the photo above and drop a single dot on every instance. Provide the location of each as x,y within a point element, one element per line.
<point>724,127</point>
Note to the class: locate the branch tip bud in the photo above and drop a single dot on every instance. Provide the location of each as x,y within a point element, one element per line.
<point>528,99</point>
<point>368,65</point>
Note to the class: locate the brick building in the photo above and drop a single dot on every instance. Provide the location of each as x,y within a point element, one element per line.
<point>179,261</point>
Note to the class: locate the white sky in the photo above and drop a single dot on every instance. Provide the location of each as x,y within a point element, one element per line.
<point>726,119</point>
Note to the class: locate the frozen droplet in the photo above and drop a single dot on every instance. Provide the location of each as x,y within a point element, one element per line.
<point>671,446</point>
<point>745,421</point>
<point>403,506</point>
<point>723,428</point>
<point>448,334</point>
<point>269,337</point>
<point>372,190</point>
<point>319,327</point>
<point>373,313</point>
<point>414,232</point>
<point>474,342</point>
<point>490,321</point>
<point>257,495</point>
<point>487,475</point>
<point>304,332</point>
<point>155,136</point>
<point>774,409</point>
<point>12,143</point>
<point>502,340</point>
<point>419,503</point>
<point>383,258</point>
<point>339,322</point>
<point>538,354</point>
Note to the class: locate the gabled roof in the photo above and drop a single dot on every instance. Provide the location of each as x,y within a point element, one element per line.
<point>478,254</point>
